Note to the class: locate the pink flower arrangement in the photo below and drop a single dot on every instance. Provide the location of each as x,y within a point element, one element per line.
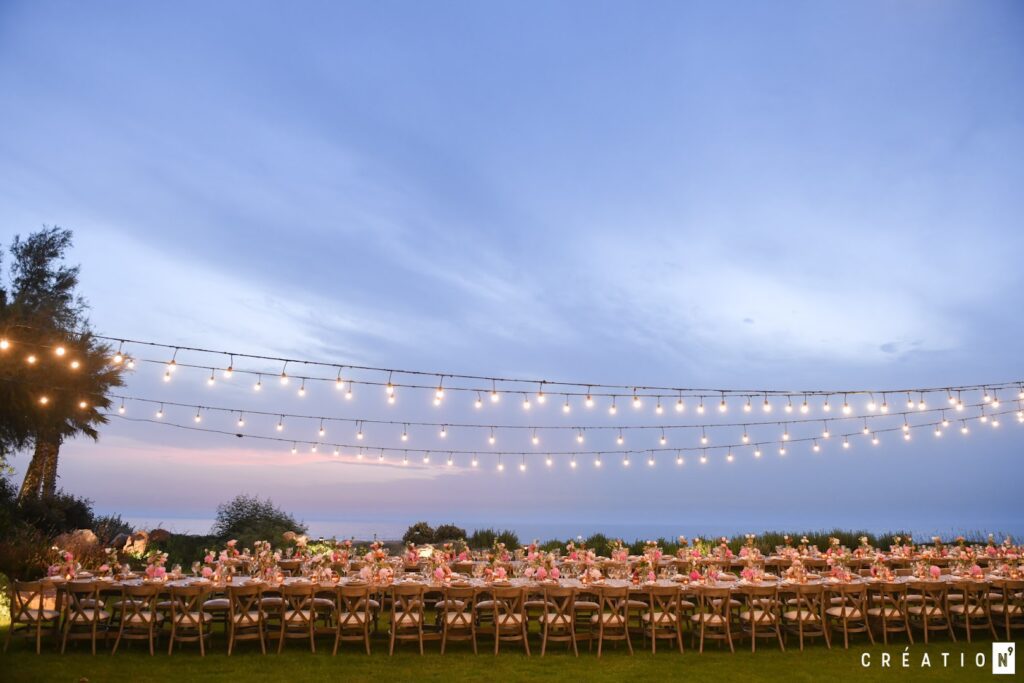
<point>207,572</point>
<point>695,575</point>
<point>934,571</point>
<point>747,573</point>
<point>977,572</point>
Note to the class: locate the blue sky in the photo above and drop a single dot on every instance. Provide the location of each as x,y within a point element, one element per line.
<point>741,195</point>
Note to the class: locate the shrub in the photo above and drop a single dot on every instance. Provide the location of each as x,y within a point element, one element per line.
<point>481,539</point>
<point>57,514</point>
<point>248,519</point>
<point>109,527</point>
<point>419,533</point>
<point>509,538</point>
<point>599,543</point>
<point>448,532</point>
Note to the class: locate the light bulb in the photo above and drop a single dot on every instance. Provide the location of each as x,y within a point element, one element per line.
<point>348,394</point>
<point>826,407</point>
<point>729,457</point>
<point>658,410</point>
<point>885,407</point>
<point>597,461</point>
<point>535,440</point>
<point>258,385</point>
<point>995,402</point>
<point>704,439</point>
<point>228,372</point>
<point>804,408</point>
<point>589,401</point>
<point>938,432</point>
<point>700,406</point>
<point>322,431</point>
<point>964,429</point>
<point>874,440</point>
<point>826,433</point>
<point>526,402</point>
<point>522,467</point>
<point>60,350</point>
<point>444,432</point>
<point>389,389</point>
<point>680,406</point>
<point>83,405</point>
<point>766,406</point>
<point>846,443</point>
<point>782,450</point>
<point>75,365</point>
<point>846,409</point>
<point>495,397</point>
<point>359,435</point>
<point>815,447</point>
<point>650,461</point>
<point>391,399</point>
<point>501,467</point>
<point>746,437</point>
<point>541,398</point>
<point>871,406</point>
<point>426,458</point>
<point>922,405</point>
<point>313,448</point>
<point>474,462</point>
<point>121,409</point>
<point>284,378</point>
<point>625,461</point>
<point>295,449</point>
<point>785,435</point>
<point>636,402</point>
<point>280,425</point>
<point>612,409</point>
<point>572,462</point>
<point>241,421</point>
<point>478,403</point>
<point>565,406</point>
<point>160,412</point>
<point>198,418</point>
<point>789,405</point>
<point>211,379</point>
<point>723,406</point>
<point>995,421</point>
<point>757,452</point>
<point>439,394</point>
<point>405,436</point>
<point>450,461</point>
<point>663,440</point>
<point>4,345</point>
<point>620,440</point>
<point>548,461</point>
<point>679,460</point>
<point>337,452</point>
<point>491,440</point>
<point>747,407</point>
<point>579,437</point>
<point>167,376</point>
<point>703,459</point>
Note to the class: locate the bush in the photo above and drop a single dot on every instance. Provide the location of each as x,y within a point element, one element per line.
<point>599,543</point>
<point>248,519</point>
<point>419,533</point>
<point>57,514</point>
<point>109,527</point>
<point>448,532</point>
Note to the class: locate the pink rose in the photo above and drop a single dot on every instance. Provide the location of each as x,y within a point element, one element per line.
<point>500,573</point>
<point>232,543</point>
<point>555,573</point>
<point>934,571</point>
<point>574,555</point>
<point>365,573</point>
<point>104,568</point>
<point>208,559</point>
<point>463,556</point>
<point>695,575</point>
<point>160,572</point>
<point>747,573</point>
<point>651,576</point>
<point>207,572</point>
<point>541,573</point>
<point>439,574</point>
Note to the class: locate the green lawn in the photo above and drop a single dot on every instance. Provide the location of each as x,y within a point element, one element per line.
<point>21,663</point>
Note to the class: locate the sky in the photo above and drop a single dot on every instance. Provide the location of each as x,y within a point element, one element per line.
<point>743,195</point>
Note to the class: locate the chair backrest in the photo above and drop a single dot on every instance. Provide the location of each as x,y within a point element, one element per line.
<point>354,598</point>
<point>244,600</point>
<point>509,606</point>
<point>715,601</point>
<point>26,597</point>
<point>458,606</point>
<point>138,601</point>
<point>810,597</point>
<point>975,594</point>
<point>407,598</point>
<point>663,599</point>
<point>614,600</point>
<point>79,592</point>
<point>187,604</point>
<point>559,604</point>
<point>932,592</point>
<point>297,596</point>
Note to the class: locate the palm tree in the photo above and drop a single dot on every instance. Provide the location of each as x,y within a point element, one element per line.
<point>54,374</point>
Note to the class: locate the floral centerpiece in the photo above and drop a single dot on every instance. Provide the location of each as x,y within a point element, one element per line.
<point>837,557</point>
<point>541,566</point>
<point>412,555</point>
<point>571,552</point>
<point>864,549</point>
<point>437,565</point>
<point>377,567</point>
<point>618,551</point>
<point>111,564</point>
<point>750,552</point>
<point>879,569</point>
<point>796,571</point>
<point>155,569</point>
<point>63,563</point>
<point>263,560</point>
<point>644,569</point>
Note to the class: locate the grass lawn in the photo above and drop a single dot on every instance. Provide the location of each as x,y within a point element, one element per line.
<point>20,663</point>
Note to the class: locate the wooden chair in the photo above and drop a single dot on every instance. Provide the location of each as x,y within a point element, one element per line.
<point>761,613</point>
<point>850,613</point>
<point>140,619</point>
<point>509,614</point>
<point>34,607</point>
<point>714,615</point>
<point>353,616</point>
<point>456,615</point>
<point>807,620</point>
<point>84,619</point>
<point>406,615</point>
<point>612,619</point>
<point>298,615</point>
<point>585,606</point>
<point>662,618</point>
<point>890,610</point>
<point>558,621</point>
<point>1011,609</point>
<point>245,618</point>
<point>189,623</point>
<point>974,612</point>
<point>931,612</point>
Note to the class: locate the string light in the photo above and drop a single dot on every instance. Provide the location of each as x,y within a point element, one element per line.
<point>121,409</point>
<point>866,430</point>
<point>663,440</point>
<point>815,447</point>
<point>789,404</point>
<point>767,407</point>
<point>745,437</point>
<point>501,465</point>
<point>444,432</point>
<point>782,450</point>
<point>874,440</point>
<point>572,462</point>
<point>589,401</point>
<point>83,405</point>
<point>846,406</point>
<point>636,401</point>
<point>495,397</point>
<point>535,439</point>
<point>650,460</point>
<point>729,457</point>
<point>579,436</point>
<point>757,451</point>
<point>700,406</point>
<point>723,406</point>
<point>804,408</point>
<point>197,419</point>
<point>228,371</point>
<point>349,394</point>
<point>322,431</point>
<point>337,451</point>
<point>6,344</point>
<point>910,402</point>
<point>995,399</point>
<point>479,403</point>
<point>597,461</point>
<point>439,392</point>
<point>211,379</point>
<point>825,432</point>
<point>703,437</point>
<point>541,398</point>
<point>359,433</point>
<point>160,411</point>
<point>474,462</point>
<point>625,460</point>
<point>871,404</point>
<point>846,442</point>
<point>526,402</point>
<point>522,464</point>
<point>566,407</point>
<point>704,458</point>
<point>658,410</point>
<point>241,420</point>
<point>280,424</point>
<point>259,383</point>
<point>785,434</point>
<point>295,449</point>
<point>746,406</point>
<point>825,406</point>
<point>491,440</point>
<point>963,427</point>
<point>680,406</point>
<point>679,458</point>
<point>426,458</point>
<point>284,374</point>
<point>44,400</point>
<point>389,390</point>
<point>548,461</point>
<point>451,461</point>
<point>620,440</point>
<point>75,365</point>
<point>612,409</point>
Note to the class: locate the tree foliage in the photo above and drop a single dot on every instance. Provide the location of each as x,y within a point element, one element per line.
<point>57,396</point>
<point>419,533</point>
<point>248,518</point>
<point>448,532</point>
